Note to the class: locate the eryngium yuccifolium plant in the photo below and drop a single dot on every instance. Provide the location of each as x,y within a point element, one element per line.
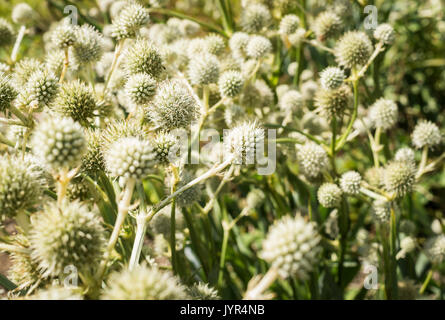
<point>165,145</point>
<point>215,44</point>
<point>353,49</point>
<point>242,142</point>
<point>129,21</point>
<point>202,291</point>
<point>258,47</point>
<point>405,154</point>
<point>21,186</point>
<point>350,182</point>
<point>230,83</point>
<point>7,92</point>
<point>238,43</point>
<point>56,293</point>
<point>188,197</point>
<point>385,33</point>
<point>22,14</point>
<point>383,113</point>
<point>292,247</point>
<point>140,88</point>
<point>89,45</point>
<point>327,25</point>
<point>381,209</point>
<point>93,161</point>
<point>255,17</point>
<point>329,195</point>
<point>25,68</point>
<point>43,87</point>
<point>399,177</point>
<point>67,235</point>
<point>144,57</point>
<point>435,249</point>
<point>289,24</point>
<point>173,106</point>
<point>426,134</point>
<point>203,69</point>
<point>7,33</point>
<point>59,142</point>
<point>143,283</point>
<point>312,159</point>
<point>64,35</point>
<point>331,78</point>
<point>130,158</point>
<point>333,103</point>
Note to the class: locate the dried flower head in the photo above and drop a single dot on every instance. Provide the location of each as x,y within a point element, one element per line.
<point>230,83</point>
<point>89,45</point>
<point>140,88</point>
<point>333,103</point>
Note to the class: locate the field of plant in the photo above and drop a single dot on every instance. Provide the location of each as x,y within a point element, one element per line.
<point>222,149</point>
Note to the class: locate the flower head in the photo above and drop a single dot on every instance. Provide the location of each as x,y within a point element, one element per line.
<point>329,195</point>
<point>243,141</point>
<point>327,25</point>
<point>312,159</point>
<point>230,83</point>
<point>140,88</point>
<point>129,21</point>
<point>426,134</point>
<point>258,47</point>
<point>7,92</point>
<point>353,49</point>
<point>350,182</point>
<point>383,113</point>
<point>385,33</point>
<point>399,177</point>
<point>89,45</point>
<point>255,17</point>
<point>203,69</point>
<point>331,78</point>
<point>144,57</point>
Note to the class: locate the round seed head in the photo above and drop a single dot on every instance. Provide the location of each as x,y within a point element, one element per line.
<point>255,17</point>
<point>70,235</point>
<point>426,134</point>
<point>22,14</point>
<point>59,142</point>
<point>297,37</point>
<point>257,95</point>
<point>203,69</point>
<point>289,24</point>
<point>383,113</point>
<point>7,92</point>
<point>165,146</point>
<point>255,198</point>
<point>327,25</point>
<point>230,84</point>
<point>331,78</point>
<point>24,68</point>
<point>292,246</point>
<point>435,249</point>
<point>132,17</point>
<point>202,291</point>
<point>353,49</point>
<point>329,195</point>
<point>238,43</point>
<point>350,182</point>
<point>143,283</point>
<point>242,142</point>
<point>399,177</point>
<point>385,33</point>
<point>42,88</point>
<point>118,129</point>
<point>140,88</point>
<point>258,47</point>
<point>55,293</point>
<point>6,33</point>
<point>144,57</point>
<point>215,44</point>
<point>291,101</point>
<point>64,35</point>
<point>89,45</point>
<point>333,103</point>
<point>93,161</point>
<point>381,210</point>
<point>405,154</point>
<point>312,159</point>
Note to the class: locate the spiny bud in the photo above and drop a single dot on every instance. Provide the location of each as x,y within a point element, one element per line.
<point>22,14</point>
<point>6,33</point>
<point>350,182</point>
<point>381,210</point>
<point>7,92</point>
<point>333,103</point>
<point>258,47</point>
<point>385,33</point>
<point>164,144</point>
<point>255,17</point>
<point>426,134</point>
<point>64,35</point>
<point>143,283</point>
<point>59,142</point>
<point>144,57</point>
<point>292,246</point>
<point>329,195</point>
<point>242,142</point>
<point>89,45</point>
<point>327,25</point>
<point>399,177</point>
<point>230,84</point>
<point>129,21</point>
<point>202,291</point>
<point>289,24</point>
<point>405,154</point>
<point>215,44</point>
<point>331,78</point>
<point>43,87</point>
<point>353,49</point>
<point>69,235</point>
<point>383,113</point>
<point>312,159</point>
<point>140,88</point>
<point>203,69</point>
<point>93,161</point>
<point>25,68</point>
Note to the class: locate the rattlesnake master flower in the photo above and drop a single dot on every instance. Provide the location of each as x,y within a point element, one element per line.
<point>258,47</point>
<point>242,142</point>
<point>23,271</point>
<point>21,185</point>
<point>69,235</point>
<point>89,45</point>
<point>405,154</point>
<point>385,33</point>
<point>140,88</point>
<point>173,106</point>
<point>238,43</point>
<point>215,44</point>
<point>43,87</point>
<point>76,100</point>
<point>333,103</point>
<point>55,293</point>
<point>255,198</point>
<point>188,197</point>
<point>203,69</point>
<point>7,92</point>
<point>426,134</point>
<point>6,33</point>
<point>163,145</point>
<point>289,24</point>
<point>327,25</point>
<point>291,101</point>
<point>353,49</point>
<point>381,210</point>
<point>435,249</point>
<point>292,246</point>
<point>297,37</point>
<point>257,95</point>
<point>255,17</point>
<point>144,57</point>
<point>64,35</point>
<point>22,14</point>
<point>329,195</point>
<point>59,142</point>
<point>331,78</point>
<point>230,83</point>
<point>407,245</point>
<point>118,129</point>
<point>130,158</point>
<point>93,160</point>
<point>132,17</point>
<point>350,182</point>
<point>383,113</point>
<point>233,114</point>
<point>202,291</point>
<point>312,159</point>
<point>24,68</point>
<point>143,283</point>
<point>399,177</point>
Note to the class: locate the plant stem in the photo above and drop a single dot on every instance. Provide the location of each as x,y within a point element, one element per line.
<point>117,53</point>
<point>423,162</point>
<point>334,138</point>
<point>17,43</point>
<point>62,185</point>
<point>391,287</point>
<point>256,292</point>
<point>345,135</point>
<point>426,282</point>
<point>66,62</point>
<point>19,115</point>
<point>6,141</point>
<point>175,180</point>
<point>375,146</point>
<point>141,227</point>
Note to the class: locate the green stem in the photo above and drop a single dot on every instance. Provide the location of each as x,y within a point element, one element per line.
<point>17,43</point>
<point>392,289</point>
<point>141,227</point>
<point>426,282</point>
<point>334,139</point>
<point>173,222</point>
<point>223,253</point>
<point>345,135</point>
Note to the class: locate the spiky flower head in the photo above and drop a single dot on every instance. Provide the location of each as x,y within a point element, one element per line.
<point>202,291</point>
<point>405,154</point>
<point>289,24</point>
<point>64,35</point>
<point>329,195</point>
<point>6,33</point>
<point>22,14</point>
<point>292,246</point>
<point>350,182</point>
<point>59,142</point>
<point>327,25</point>
<point>381,210</point>
<point>292,68</point>
<point>312,159</point>
<point>242,142</point>
<point>165,146</point>
<point>215,44</point>
<point>67,235</point>
<point>257,95</point>
<point>333,103</point>
<point>230,83</point>
<point>408,227</point>
<point>426,134</point>
<point>43,87</point>
<point>255,198</point>
<point>7,92</point>
<point>385,33</point>
<point>399,177</point>
<point>173,106</point>
<point>407,244</point>
<point>24,68</point>
<point>89,45</point>
<point>144,283</point>
<point>331,78</point>
<point>255,17</point>
<point>258,47</point>
<point>191,195</point>
<point>118,129</point>
<point>132,17</point>
<point>203,69</point>
<point>291,101</point>
<point>93,160</point>
<point>21,185</point>
<point>76,100</point>
<point>79,189</point>
<point>435,249</point>
<point>297,37</point>
<point>353,49</point>
<point>55,293</point>
<point>383,113</point>
<point>23,271</point>
<point>238,43</point>
<point>140,88</point>
<point>144,57</point>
